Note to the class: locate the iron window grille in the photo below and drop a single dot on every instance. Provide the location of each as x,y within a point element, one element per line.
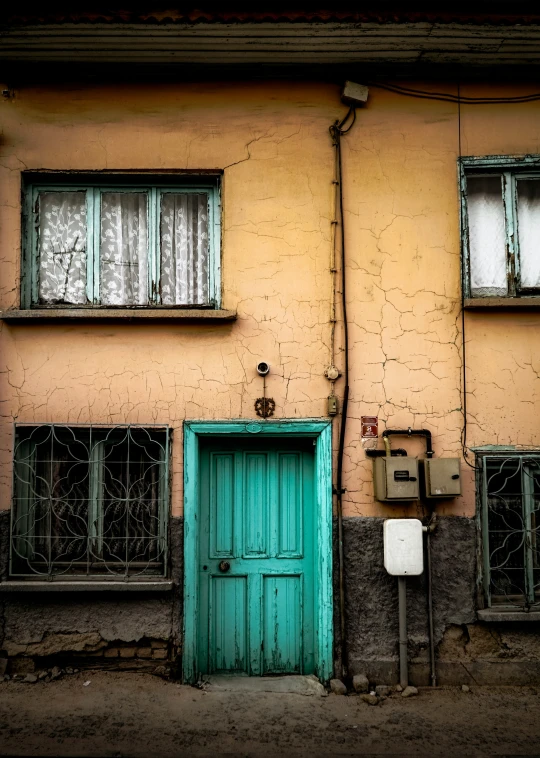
<point>86,238</point>
<point>510,521</point>
<point>500,225</point>
<point>90,501</point>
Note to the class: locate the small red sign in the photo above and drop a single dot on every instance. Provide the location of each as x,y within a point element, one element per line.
<point>370,426</point>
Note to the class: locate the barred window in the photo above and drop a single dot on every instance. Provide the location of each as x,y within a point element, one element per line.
<point>510,493</point>
<point>501,228</point>
<point>89,501</point>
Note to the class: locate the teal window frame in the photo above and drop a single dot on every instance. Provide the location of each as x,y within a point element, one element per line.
<point>511,169</point>
<point>493,557</point>
<point>94,188</point>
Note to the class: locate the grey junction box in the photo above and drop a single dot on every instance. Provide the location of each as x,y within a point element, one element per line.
<point>396,478</point>
<point>441,477</point>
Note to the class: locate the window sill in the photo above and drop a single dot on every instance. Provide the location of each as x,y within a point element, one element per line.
<point>117,314</point>
<point>156,585</point>
<point>495,615</point>
<point>504,303</point>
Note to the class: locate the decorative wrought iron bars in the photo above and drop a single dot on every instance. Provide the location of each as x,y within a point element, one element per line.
<point>510,491</point>
<point>90,501</point>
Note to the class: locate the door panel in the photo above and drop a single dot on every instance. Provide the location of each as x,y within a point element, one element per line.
<point>282,630</point>
<point>290,505</point>
<point>222,506</point>
<point>228,623</point>
<point>256,615</point>
<point>256,505</point>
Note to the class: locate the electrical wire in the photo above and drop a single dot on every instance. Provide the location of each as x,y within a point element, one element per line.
<point>337,130</point>
<point>449,98</point>
<point>457,99</point>
<point>464,448</point>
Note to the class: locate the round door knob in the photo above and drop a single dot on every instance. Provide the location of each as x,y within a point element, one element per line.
<point>224,566</point>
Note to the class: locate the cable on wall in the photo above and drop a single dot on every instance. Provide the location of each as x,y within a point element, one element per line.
<point>337,130</point>
<point>458,99</point>
<point>449,98</point>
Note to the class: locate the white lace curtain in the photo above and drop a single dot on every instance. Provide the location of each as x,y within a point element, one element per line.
<point>62,236</point>
<point>124,249</point>
<point>123,259</point>
<point>184,249</point>
<point>487,242</point>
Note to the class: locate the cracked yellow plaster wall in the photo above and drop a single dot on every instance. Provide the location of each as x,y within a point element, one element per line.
<point>272,141</point>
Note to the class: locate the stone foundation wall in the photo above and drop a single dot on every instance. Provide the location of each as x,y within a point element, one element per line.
<point>93,629</point>
<point>466,651</point>
<point>142,631</point>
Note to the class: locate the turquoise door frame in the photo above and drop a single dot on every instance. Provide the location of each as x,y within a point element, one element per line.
<point>321,433</point>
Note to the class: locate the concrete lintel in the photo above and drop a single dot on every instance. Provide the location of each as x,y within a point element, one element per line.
<point>86,586</point>
<point>117,314</point>
<point>493,614</point>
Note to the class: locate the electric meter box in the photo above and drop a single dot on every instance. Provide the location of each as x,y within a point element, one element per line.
<point>441,477</point>
<point>403,546</point>
<point>395,478</point>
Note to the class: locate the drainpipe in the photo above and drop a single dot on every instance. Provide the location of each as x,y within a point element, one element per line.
<point>433,671</point>
<point>336,132</point>
<point>403,639</point>
<point>354,95</point>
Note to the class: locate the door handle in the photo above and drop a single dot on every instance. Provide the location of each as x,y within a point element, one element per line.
<point>224,566</point>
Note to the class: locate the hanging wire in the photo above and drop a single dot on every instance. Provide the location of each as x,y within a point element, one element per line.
<point>457,99</point>
<point>449,98</point>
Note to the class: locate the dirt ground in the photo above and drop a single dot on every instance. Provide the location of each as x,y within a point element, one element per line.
<point>127,714</point>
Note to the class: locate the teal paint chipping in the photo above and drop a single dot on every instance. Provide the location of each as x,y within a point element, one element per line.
<point>282,624</point>
<point>264,504</point>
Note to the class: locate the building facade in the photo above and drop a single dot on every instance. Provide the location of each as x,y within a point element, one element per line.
<point>171,222</point>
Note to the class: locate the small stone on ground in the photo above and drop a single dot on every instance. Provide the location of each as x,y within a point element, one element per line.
<point>465,688</point>
<point>409,691</point>
<point>337,687</point>
<point>370,699</point>
<point>360,683</point>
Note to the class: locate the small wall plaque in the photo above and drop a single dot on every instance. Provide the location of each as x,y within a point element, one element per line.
<point>370,426</point>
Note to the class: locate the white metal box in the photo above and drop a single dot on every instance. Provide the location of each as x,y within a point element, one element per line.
<point>396,478</point>
<point>403,548</point>
<point>441,477</point>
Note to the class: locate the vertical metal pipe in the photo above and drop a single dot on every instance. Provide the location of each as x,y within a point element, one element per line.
<point>336,131</point>
<point>402,605</point>
<point>430,612</point>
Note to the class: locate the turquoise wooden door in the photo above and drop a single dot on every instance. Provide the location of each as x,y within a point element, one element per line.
<point>256,557</point>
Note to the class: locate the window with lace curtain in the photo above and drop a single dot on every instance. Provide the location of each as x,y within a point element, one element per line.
<point>124,242</point>
<point>501,227</point>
